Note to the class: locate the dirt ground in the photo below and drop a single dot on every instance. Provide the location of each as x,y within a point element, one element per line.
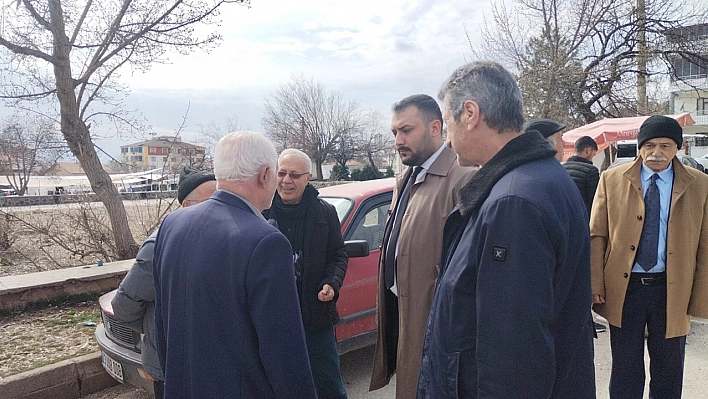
<point>40,238</point>
<point>33,339</point>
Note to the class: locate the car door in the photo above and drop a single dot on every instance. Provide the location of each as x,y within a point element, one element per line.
<point>357,300</point>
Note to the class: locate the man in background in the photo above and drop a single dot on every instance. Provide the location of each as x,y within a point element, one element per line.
<point>582,171</point>
<point>134,302</point>
<point>552,131</point>
<point>649,237</point>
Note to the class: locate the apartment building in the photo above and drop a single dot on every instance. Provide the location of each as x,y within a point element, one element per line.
<point>169,153</point>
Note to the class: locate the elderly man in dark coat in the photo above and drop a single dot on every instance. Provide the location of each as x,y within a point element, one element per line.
<point>511,314</point>
<point>312,226</point>
<point>226,311</point>
<point>135,300</point>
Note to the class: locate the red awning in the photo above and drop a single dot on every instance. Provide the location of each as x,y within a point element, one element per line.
<point>610,130</point>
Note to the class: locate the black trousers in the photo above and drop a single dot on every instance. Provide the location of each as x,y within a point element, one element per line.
<point>159,389</point>
<point>645,306</point>
<point>391,330</point>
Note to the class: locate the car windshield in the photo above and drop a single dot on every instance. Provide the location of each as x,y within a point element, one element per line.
<point>343,205</point>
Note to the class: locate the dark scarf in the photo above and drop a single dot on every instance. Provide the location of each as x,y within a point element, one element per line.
<point>293,217</point>
<point>528,147</point>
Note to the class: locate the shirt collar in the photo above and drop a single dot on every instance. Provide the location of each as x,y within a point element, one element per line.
<point>429,162</point>
<point>665,175</point>
<point>250,205</point>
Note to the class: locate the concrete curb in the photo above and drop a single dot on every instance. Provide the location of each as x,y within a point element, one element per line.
<point>68,379</point>
<point>24,289</point>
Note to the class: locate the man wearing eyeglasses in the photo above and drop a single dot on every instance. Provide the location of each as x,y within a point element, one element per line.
<point>312,227</point>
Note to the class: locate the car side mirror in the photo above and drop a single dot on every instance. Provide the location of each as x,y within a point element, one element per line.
<point>357,248</point>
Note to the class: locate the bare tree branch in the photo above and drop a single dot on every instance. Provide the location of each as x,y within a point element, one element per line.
<point>24,50</point>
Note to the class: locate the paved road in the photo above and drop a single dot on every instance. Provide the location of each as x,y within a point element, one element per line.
<point>356,369</point>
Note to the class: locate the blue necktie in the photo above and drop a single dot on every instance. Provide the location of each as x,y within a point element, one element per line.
<point>649,241</point>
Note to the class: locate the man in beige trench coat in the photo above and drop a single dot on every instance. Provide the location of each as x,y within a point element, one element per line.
<point>409,265</point>
<point>654,277</point>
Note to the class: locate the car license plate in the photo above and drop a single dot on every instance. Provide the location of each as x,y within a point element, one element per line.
<point>113,368</point>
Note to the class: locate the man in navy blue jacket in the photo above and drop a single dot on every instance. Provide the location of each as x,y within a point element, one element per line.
<point>227,317</point>
<point>511,314</point>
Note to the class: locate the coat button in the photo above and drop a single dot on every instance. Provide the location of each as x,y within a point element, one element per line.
<point>626,275</point>
<point>639,217</point>
<point>632,247</point>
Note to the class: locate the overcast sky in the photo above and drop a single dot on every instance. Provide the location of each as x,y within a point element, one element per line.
<point>374,51</point>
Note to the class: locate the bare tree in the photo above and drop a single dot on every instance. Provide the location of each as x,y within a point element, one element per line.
<point>367,141</point>
<point>577,59</point>
<point>301,114</point>
<point>27,147</point>
<point>376,139</point>
<point>71,51</point>
<point>210,134</point>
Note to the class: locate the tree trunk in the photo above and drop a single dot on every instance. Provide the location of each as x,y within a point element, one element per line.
<point>642,104</point>
<point>78,137</point>
<point>370,157</point>
<point>318,170</point>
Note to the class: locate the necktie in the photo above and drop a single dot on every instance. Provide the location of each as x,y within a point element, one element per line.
<point>390,260</point>
<point>649,241</point>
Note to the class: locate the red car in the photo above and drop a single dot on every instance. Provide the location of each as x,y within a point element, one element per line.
<point>362,209</point>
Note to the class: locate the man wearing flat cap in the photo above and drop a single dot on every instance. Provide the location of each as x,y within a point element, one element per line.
<point>552,131</point>
<point>135,300</point>
<point>649,260</point>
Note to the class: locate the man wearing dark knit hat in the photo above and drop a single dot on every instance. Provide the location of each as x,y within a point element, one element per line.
<point>135,300</point>
<point>647,272</point>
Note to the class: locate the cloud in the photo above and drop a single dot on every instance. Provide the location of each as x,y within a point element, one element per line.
<point>374,51</point>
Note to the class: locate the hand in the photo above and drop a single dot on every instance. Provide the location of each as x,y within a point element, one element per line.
<point>327,293</point>
<point>598,298</point>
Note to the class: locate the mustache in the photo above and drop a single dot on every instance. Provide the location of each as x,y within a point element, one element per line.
<point>403,148</point>
<point>652,158</point>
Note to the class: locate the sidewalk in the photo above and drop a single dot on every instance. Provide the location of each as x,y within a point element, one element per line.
<point>68,379</point>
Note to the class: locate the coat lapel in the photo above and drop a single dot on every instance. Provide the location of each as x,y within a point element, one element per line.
<point>634,175</point>
<point>682,180</point>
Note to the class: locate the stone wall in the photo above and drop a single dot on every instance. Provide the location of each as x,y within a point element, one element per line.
<point>34,200</point>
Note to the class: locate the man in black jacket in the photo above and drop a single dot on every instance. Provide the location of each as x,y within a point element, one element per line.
<point>586,177</point>
<point>315,234</point>
<point>584,173</point>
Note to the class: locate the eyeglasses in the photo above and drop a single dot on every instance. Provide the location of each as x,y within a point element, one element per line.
<point>293,175</point>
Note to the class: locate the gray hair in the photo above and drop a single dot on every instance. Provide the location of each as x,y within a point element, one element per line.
<point>551,139</point>
<point>492,87</point>
<point>239,156</point>
<point>297,154</point>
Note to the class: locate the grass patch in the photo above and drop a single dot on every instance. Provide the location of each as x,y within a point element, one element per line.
<point>37,338</point>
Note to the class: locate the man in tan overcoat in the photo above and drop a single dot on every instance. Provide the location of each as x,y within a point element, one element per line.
<point>649,260</point>
<point>410,252</point>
